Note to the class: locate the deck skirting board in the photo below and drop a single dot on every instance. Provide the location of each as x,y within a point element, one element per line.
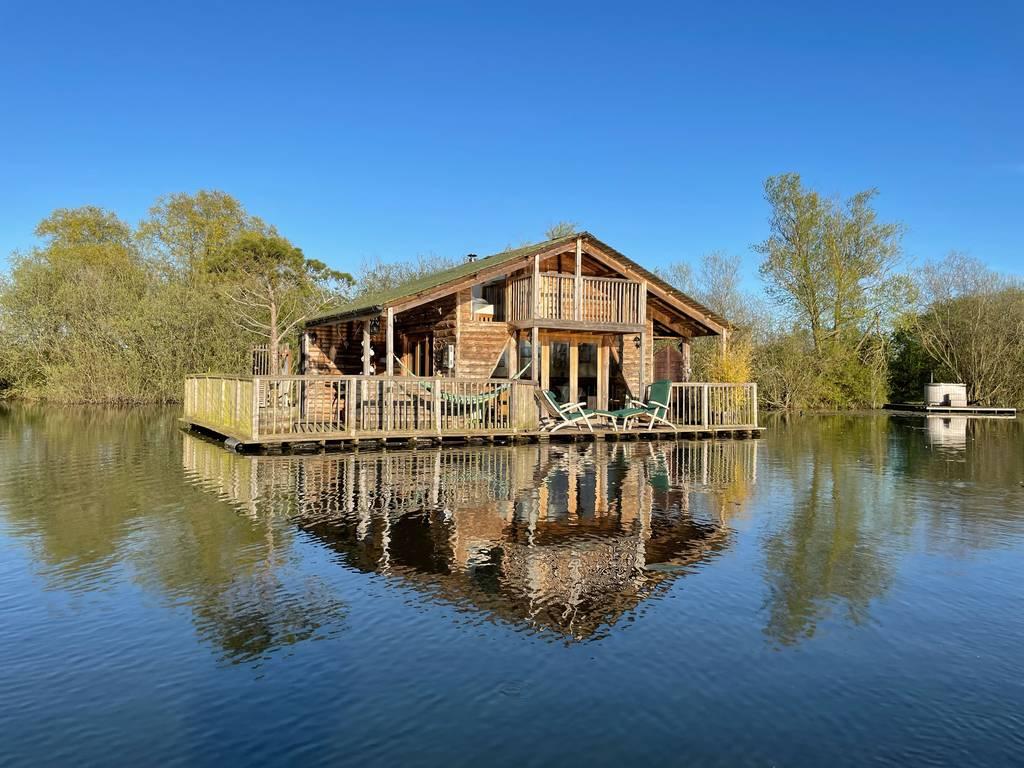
<point>346,440</point>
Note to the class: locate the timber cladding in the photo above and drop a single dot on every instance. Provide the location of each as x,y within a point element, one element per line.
<point>636,376</point>
<point>479,343</point>
<point>338,348</point>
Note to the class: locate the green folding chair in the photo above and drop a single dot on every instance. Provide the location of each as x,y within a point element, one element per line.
<point>655,408</point>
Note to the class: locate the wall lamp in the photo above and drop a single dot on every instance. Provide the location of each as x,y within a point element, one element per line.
<point>636,342</point>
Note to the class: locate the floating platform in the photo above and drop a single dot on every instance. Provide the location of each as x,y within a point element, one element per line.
<point>951,410</point>
<point>379,439</point>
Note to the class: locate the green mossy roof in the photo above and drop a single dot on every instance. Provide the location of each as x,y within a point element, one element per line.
<point>370,303</point>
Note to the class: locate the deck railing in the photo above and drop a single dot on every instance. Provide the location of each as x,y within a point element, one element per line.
<point>697,404</point>
<point>592,299</point>
<point>267,408</point>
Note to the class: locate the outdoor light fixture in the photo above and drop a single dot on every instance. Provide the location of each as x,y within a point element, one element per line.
<point>375,325</point>
<point>636,342</point>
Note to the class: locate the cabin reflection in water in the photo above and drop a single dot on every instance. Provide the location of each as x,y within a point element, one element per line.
<point>558,538</point>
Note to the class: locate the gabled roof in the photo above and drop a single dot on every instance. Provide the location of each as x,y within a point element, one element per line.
<point>377,302</point>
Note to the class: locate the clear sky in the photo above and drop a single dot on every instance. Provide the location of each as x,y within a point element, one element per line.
<point>392,129</point>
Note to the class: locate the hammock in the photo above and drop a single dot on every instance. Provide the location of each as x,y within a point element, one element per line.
<point>450,397</point>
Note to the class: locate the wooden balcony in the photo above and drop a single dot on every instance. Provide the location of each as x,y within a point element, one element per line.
<point>569,301</point>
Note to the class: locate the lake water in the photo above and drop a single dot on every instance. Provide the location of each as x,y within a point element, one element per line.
<point>846,590</point>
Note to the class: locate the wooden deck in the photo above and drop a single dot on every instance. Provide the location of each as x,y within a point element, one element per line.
<point>348,410</point>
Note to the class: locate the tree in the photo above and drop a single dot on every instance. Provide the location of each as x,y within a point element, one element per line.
<point>971,324</point>
<point>560,229</point>
<point>185,240</point>
<point>274,287</point>
<point>717,285</point>
<point>193,231</point>
<point>832,267</point>
<point>67,309</point>
<point>377,276</point>
<point>832,264</point>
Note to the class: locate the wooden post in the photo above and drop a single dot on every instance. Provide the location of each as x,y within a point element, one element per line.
<point>574,371</point>
<point>389,367</point>
<point>390,344</point>
<point>705,410</point>
<point>642,394</point>
<point>536,286</point>
<point>513,355</point>
<point>350,406</point>
<point>578,283</point>
<point>545,365</point>
<point>366,348</point>
<point>436,392</point>
<point>535,355</point>
<point>602,375</point>
<point>255,408</point>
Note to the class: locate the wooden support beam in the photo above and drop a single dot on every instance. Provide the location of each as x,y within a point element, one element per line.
<point>643,358</point>
<point>573,325</point>
<point>545,364</point>
<point>535,355</point>
<point>390,344</point>
<point>578,282</point>
<point>536,285</point>
<point>602,374</point>
<point>574,372</point>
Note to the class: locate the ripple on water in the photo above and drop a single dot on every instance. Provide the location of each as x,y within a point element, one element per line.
<point>843,591</point>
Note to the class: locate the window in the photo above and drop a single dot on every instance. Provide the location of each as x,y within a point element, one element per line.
<point>488,301</point>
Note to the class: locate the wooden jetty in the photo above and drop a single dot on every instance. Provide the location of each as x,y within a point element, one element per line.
<point>464,352</point>
<point>965,410</point>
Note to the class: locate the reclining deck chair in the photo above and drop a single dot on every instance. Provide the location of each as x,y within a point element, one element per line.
<point>655,409</point>
<point>573,414</point>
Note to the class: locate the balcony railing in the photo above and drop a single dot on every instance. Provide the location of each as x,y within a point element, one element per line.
<point>598,300</point>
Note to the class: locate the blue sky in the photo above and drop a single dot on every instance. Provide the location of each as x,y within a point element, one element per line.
<point>392,129</point>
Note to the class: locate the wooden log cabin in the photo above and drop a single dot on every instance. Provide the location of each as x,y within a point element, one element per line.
<point>581,318</point>
<point>571,315</point>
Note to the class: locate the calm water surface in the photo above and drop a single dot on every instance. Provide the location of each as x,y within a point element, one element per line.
<point>847,590</point>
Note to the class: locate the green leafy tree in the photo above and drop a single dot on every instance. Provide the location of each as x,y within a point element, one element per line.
<point>274,287</point>
<point>67,310</point>
<point>832,267</point>
<point>184,239</point>
<point>971,325</point>
<point>193,231</point>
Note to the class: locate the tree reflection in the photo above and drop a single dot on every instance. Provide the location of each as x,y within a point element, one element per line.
<point>94,490</point>
<point>860,488</point>
<point>829,557</point>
